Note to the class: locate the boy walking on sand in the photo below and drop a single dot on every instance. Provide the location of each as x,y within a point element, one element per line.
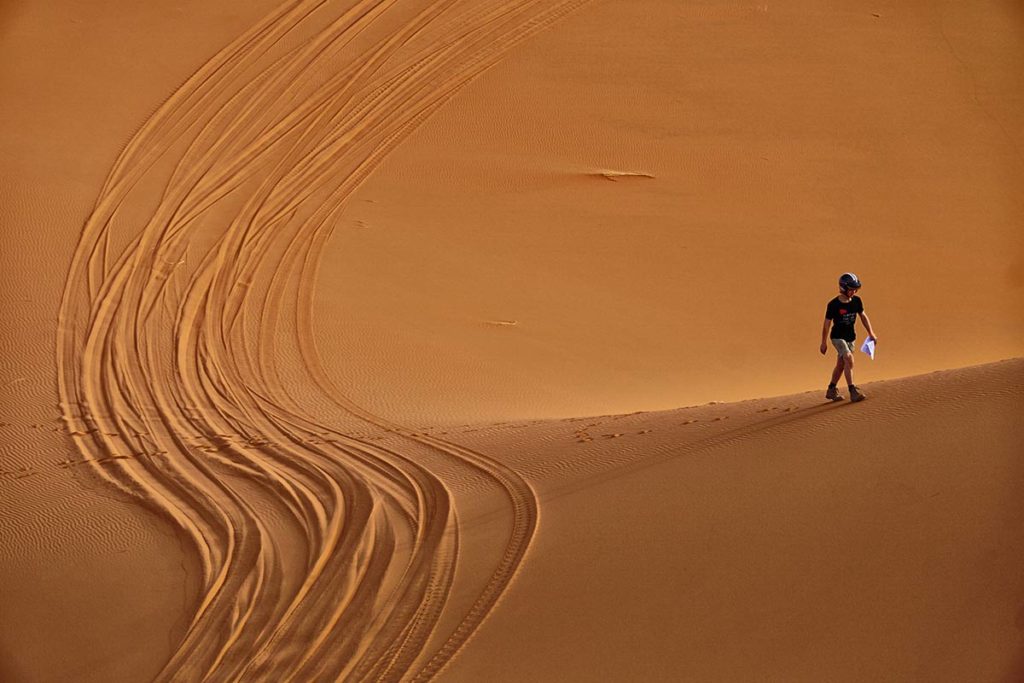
<point>841,313</point>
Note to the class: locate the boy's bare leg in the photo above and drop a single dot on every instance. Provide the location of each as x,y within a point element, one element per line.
<point>837,372</point>
<point>848,369</point>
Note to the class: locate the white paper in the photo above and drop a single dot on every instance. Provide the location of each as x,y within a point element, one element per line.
<point>868,347</point>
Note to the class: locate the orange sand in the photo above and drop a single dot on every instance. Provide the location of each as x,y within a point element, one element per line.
<point>303,301</point>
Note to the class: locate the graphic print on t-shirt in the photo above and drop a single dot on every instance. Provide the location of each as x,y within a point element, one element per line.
<point>844,317</point>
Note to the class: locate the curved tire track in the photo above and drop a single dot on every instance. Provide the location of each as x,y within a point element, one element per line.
<point>182,333</point>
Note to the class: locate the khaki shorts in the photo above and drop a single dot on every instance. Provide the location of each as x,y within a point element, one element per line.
<point>844,347</point>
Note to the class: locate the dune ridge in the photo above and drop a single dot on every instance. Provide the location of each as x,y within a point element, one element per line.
<point>173,337</point>
<point>781,538</point>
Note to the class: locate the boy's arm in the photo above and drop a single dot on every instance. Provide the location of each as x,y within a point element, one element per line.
<point>867,326</point>
<point>824,335</point>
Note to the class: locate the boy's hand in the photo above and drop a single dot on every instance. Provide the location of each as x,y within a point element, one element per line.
<point>873,337</point>
<point>823,348</point>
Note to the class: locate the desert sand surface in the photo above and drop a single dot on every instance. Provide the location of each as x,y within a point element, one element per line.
<point>771,539</point>
<point>307,306</point>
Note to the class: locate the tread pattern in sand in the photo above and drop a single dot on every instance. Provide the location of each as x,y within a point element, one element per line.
<point>190,379</point>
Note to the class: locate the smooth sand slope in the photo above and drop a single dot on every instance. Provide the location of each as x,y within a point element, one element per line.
<point>661,195</point>
<point>262,259</point>
<point>781,539</point>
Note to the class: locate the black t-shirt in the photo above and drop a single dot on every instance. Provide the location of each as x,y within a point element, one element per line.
<point>843,316</point>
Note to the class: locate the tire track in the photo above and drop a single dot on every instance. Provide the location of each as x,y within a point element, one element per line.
<point>189,375</point>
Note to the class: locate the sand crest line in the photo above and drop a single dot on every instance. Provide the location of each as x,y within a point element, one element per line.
<point>180,336</point>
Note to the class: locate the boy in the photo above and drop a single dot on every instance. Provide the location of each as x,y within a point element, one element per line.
<point>842,313</point>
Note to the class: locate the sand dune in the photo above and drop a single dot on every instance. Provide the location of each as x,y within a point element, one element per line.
<point>787,144</point>
<point>321,556</point>
<point>772,539</point>
<point>276,270</point>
